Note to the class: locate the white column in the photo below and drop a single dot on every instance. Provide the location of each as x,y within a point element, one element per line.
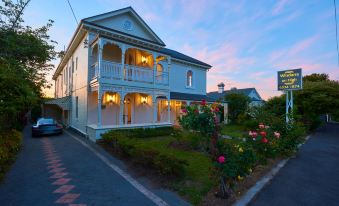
<point>169,109</point>
<point>121,112</point>
<point>99,106</point>
<point>100,48</point>
<point>155,109</point>
<point>154,67</point>
<point>168,68</point>
<point>123,50</point>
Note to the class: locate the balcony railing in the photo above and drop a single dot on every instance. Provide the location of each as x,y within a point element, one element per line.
<point>112,70</point>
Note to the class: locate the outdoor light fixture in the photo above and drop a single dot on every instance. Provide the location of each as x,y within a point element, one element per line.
<point>144,59</point>
<point>110,98</point>
<point>144,100</point>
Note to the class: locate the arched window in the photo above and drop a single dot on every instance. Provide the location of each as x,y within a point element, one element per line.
<point>189,79</point>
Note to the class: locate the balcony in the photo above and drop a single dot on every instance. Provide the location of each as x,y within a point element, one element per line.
<point>114,71</point>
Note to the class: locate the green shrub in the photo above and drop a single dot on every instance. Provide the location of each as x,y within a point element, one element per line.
<point>10,144</point>
<point>143,132</point>
<point>145,155</point>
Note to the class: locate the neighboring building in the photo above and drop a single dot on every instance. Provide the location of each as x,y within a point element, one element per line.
<point>250,92</point>
<point>117,73</point>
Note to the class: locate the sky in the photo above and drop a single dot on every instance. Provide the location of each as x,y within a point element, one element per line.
<point>245,41</point>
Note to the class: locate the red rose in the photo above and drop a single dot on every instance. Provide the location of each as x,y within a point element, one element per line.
<point>203,102</point>
<point>264,140</point>
<point>216,109</point>
<point>263,133</point>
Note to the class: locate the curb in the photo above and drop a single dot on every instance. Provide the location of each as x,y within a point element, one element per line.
<point>254,190</point>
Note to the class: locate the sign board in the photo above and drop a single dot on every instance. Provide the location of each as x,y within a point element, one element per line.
<point>290,80</point>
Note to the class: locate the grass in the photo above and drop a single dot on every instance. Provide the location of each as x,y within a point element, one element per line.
<point>234,130</point>
<point>198,178</point>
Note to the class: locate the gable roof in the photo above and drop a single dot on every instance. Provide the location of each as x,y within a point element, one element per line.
<point>184,57</point>
<point>130,10</point>
<point>245,91</point>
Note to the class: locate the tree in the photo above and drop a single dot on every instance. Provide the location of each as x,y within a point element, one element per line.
<point>316,77</point>
<point>237,104</point>
<point>25,56</point>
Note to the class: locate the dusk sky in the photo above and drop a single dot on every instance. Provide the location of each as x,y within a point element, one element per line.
<point>246,42</point>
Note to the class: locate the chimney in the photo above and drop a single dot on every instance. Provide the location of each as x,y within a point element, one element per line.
<point>221,87</point>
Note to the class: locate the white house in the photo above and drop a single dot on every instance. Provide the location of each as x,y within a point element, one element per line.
<point>117,73</point>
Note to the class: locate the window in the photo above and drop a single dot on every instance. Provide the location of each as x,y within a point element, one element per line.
<point>76,63</point>
<point>76,107</point>
<point>189,82</point>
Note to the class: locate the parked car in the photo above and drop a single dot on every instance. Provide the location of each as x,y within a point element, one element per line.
<point>46,126</point>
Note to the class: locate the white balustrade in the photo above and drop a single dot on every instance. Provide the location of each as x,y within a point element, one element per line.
<point>139,74</point>
<point>112,70</point>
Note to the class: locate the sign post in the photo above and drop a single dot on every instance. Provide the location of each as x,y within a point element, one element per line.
<point>288,81</point>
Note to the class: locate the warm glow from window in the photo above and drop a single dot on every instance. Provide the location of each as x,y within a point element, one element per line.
<point>144,59</point>
<point>110,98</point>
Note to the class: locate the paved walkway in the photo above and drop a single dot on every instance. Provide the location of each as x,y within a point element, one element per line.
<point>312,178</point>
<point>60,170</point>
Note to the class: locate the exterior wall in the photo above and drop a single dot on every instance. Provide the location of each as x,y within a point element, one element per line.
<point>79,84</point>
<point>178,79</point>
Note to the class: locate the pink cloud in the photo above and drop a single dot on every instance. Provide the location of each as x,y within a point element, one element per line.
<point>279,7</point>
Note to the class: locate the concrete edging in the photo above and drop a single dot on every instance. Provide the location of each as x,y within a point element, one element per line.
<point>254,190</point>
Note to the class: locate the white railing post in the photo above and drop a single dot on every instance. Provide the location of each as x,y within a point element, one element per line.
<point>122,69</point>
<point>155,109</point>
<point>99,105</point>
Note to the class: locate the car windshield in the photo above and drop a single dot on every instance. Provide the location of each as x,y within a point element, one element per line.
<point>46,121</point>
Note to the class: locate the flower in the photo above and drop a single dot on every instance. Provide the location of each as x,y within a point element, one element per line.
<point>196,111</point>
<point>216,109</point>
<point>240,177</point>
<point>263,133</point>
<point>253,134</point>
<point>184,110</point>
<point>277,135</point>
<point>221,159</point>
<point>240,149</point>
<point>264,140</point>
<point>203,102</point>
<point>261,126</point>
<point>250,170</point>
<point>266,127</point>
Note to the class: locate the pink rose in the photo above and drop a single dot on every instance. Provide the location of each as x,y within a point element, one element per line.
<point>184,111</point>
<point>261,126</point>
<point>203,102</point>
<point>277,135</point>
<point>216,109</point>
<point>221,159</point>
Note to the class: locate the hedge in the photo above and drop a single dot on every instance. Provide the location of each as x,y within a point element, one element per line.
<point>143,132</point>
<point>124,143</point>
<point>10,144</point>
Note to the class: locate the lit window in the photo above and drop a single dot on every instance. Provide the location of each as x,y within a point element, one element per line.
<point>189,82</point>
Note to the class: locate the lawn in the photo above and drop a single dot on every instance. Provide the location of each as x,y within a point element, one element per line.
<point>234,130</point>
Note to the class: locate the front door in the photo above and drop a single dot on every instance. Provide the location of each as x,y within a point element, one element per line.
<point>127,111</point>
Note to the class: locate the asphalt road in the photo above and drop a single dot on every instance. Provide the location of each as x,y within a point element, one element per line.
<point>312,178</point>
<point>60,170</point>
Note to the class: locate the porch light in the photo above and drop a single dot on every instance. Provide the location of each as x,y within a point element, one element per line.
<point>144,100</point>
<point>144,59</point>
<point>111,98</point>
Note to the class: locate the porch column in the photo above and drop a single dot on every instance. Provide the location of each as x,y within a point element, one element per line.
<point>168,69</point>
<point>169,109</point>
<point>99,106</point>
<point>154,67</point>
<point>121,112</point>
<point>155,109</point>
<point>123,50</point>
<point>100,48</point>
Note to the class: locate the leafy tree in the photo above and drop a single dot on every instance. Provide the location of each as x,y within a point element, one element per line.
<point>237,104</point>
<point>316,77</point>
<point>25,56</point>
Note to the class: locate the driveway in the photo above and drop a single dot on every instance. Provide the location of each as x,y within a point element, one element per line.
<point>312,178</point>
<point>69,170</point>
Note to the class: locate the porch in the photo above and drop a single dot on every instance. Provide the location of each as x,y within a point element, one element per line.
<point>118,63</point>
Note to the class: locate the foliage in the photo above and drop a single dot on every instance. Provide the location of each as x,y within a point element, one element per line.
<point>165,164</point>
<point>316,77</point>
<point>234,130</point>
<point>144,132</point>
<point>10,144</point>
<point>25,54</point>
<point>237,104</point>
<point>196,180</point>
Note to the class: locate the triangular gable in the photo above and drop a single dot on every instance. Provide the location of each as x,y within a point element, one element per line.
<point>254,94</point>
<point>127,21</point>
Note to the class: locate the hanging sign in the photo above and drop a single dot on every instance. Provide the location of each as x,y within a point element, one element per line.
<point>290,80</point>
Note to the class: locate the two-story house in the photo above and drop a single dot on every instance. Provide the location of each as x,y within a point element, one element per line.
<point>117,73</point>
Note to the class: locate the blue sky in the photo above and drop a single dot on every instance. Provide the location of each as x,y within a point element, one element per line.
<point>245,41</point>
